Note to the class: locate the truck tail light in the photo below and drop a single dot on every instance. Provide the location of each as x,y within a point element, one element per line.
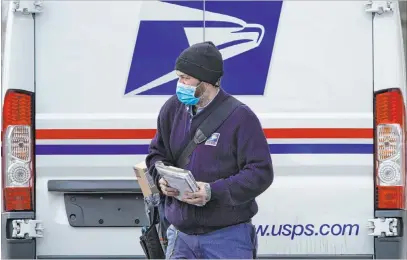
<point>390,156</point>
<point>17,150</point>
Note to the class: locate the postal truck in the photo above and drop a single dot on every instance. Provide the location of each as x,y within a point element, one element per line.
<point>83,82</point>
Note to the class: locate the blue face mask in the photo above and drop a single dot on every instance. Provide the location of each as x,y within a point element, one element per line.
<point>186,94</point>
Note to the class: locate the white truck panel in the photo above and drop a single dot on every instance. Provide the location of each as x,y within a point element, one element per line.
<point>320,76</point>
<point>18,56</point>
<point>389,62</point>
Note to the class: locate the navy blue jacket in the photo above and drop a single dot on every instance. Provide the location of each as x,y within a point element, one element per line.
<point>238,168</point>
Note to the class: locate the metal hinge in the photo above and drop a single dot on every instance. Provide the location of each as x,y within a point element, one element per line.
<point>27,228</point>
<point>384,227</point>
<point>379,7</point>
<point>27,7</point>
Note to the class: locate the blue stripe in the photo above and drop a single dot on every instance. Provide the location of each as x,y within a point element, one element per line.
<point>321,148</point>
<point>142,149</point>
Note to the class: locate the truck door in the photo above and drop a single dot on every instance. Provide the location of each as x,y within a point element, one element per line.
<point>91,129</point>
<point>306,69</point>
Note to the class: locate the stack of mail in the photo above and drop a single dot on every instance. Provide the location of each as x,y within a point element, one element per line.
<point>177,178</point>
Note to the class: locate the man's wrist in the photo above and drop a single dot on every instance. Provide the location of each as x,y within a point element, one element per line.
<point>208,192</point>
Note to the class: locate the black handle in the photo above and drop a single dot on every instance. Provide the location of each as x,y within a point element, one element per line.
<point>111,186</point>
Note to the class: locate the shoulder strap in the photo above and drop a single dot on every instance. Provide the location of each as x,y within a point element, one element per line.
<point>207,127</point>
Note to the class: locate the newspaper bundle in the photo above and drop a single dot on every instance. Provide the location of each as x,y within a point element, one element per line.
<point>177,178</point>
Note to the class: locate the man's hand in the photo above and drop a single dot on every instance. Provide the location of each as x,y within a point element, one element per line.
<point>167,190</point>
<point>199,198</point>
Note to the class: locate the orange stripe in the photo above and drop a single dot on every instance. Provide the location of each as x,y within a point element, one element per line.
<point>149,133</point>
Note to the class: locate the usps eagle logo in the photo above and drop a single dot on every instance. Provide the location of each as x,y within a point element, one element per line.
<point>243,31</point>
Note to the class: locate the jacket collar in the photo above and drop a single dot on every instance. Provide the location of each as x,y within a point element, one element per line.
<point>219,97</point>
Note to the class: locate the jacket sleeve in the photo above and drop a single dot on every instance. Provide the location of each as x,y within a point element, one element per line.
<point>157,151</point>
<point>256,170</point>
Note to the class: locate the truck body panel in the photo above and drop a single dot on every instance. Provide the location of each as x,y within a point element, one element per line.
<point>103,70</point>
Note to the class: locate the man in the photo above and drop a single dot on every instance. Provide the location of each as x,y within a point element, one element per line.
<point>232,167</point>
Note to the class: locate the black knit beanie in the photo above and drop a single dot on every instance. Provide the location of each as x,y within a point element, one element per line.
<point>202,61</point>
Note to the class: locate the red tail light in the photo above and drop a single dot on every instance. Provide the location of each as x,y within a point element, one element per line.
<point>390,150</point>
<point>17,150</point>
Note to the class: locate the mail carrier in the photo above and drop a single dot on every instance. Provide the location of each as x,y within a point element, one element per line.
<point>83,82</point>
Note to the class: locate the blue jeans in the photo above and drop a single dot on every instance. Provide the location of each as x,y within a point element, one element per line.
<point>234,242</point>
<point>171,233</point>
<point>164,224</point>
